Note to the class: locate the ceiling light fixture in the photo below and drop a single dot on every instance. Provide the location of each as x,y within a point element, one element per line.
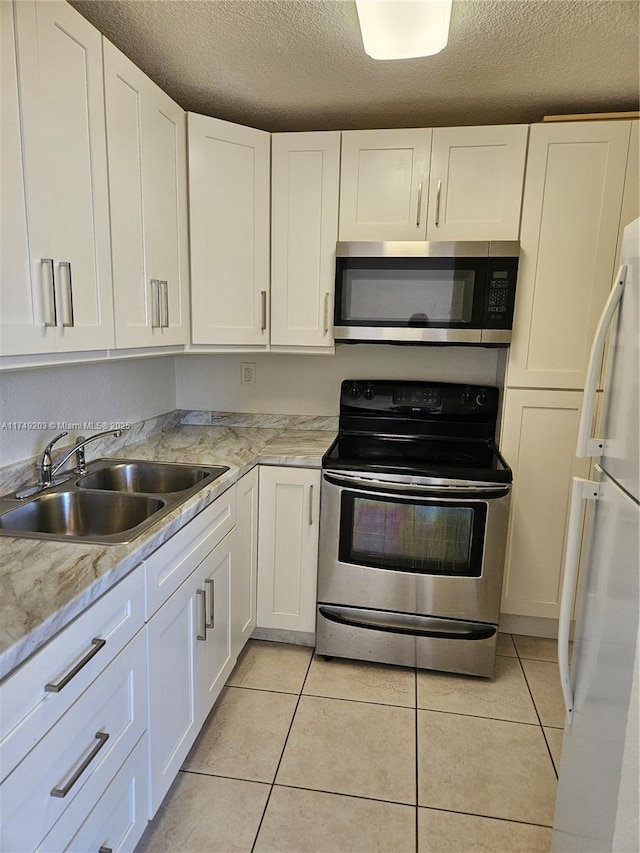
<point>403,29</point>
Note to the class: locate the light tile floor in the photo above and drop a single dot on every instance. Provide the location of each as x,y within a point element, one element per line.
<point>303,755</point>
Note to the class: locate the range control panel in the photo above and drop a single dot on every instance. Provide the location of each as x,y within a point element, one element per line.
<point>384,397</point>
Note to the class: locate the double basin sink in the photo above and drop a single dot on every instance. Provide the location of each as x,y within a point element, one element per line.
<point>114,502</point>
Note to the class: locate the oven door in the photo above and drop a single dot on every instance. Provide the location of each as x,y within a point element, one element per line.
<point>430,549</point>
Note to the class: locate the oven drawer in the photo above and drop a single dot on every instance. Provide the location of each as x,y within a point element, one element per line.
<point>406,639</point>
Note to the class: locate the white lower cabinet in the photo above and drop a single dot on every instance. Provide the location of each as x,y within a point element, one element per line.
<point>538,439</point>
<point>69,769</point>
<point>119,818</point>
<point>288,548</point>
<point>245,574</point>
<point>189,658</point>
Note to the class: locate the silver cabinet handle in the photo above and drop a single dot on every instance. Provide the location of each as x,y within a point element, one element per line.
<point>263,296</point>
<point>326,312</point>
<point>438,191</point>
<point>96,644</point>
<point>165,302</point>
<point>202,633</point>
<point>155,303</point>
<point>102,738</point>
<point>419,207</point>
<point>310,505</point>
<point>210,622</point>
<point>48,264</point>
<point>67,266</point>
<point>104,849</point>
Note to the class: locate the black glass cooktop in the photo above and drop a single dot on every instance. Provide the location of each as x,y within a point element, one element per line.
<point>428,457</point>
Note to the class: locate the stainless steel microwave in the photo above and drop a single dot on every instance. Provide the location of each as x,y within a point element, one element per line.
<point>418,292</point>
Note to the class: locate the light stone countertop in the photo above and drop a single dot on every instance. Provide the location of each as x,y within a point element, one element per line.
<point>45,584</point>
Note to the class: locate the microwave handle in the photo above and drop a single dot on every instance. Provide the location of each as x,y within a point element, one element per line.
<point>588,446</point>
<point>470,490</point>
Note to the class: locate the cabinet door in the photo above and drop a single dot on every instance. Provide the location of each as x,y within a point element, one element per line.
<point>571,211</point>
<point>164,161</point>
<point>245,574</point>
<point>305,169</point>
<point>62,103</point>
<point>538,440</point>
<point>146,135</point>
<point>214,660</point>
<point>475,185</point>
<point>288,548</point>
<point>173,725</point>
<point>25,289</point>
<point>383,185</point>
<point>229,228</point>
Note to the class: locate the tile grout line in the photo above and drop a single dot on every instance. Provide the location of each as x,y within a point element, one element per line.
<point>284,746</point>
<point>553,764</point>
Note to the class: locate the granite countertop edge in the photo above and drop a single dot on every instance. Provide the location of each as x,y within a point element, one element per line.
<point>45,585</point>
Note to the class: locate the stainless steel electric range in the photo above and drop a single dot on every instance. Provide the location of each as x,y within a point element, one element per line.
<point>414,511</point>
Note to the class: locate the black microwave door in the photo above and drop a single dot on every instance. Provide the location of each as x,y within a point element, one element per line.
<point>429,293</point>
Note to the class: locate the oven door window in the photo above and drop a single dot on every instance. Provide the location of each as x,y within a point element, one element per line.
<point>427,537</point>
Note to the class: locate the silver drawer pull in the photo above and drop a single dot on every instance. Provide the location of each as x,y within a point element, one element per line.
<point>71,321</point>
<point>210,623</point>
<point>57,687</point>
<point>164,286</point>
<point>419,206</point>
<point>263,323</point>
<point>102,738</point>
<point>48,264</point>
<point>202,632</point>
<point>438,191</point>
<point>104,849</point>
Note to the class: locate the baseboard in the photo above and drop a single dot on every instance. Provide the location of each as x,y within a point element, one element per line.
<point>280,635</point>
<point>530,626</point>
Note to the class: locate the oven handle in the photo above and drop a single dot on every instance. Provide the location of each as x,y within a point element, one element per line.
<point>482,632</point>
<point>479,492</point>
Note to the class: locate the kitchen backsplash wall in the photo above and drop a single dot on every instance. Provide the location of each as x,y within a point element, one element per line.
<point>309,384</point>
<point>37,404</point>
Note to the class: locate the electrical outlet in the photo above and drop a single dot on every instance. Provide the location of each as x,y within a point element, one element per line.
<point>248,373</point>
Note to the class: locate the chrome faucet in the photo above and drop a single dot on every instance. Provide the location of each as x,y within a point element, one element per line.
<point>47,470</point>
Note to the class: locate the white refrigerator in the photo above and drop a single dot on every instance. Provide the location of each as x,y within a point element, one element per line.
<point>598,797</point>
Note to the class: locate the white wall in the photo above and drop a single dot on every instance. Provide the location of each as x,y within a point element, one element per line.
<point>310,384</point>
<point>129,391</point>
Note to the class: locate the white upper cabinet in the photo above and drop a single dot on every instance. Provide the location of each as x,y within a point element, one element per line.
<point>146,140</point>
<point>229,221</point>
<point>68,287</point>
<point>384,184</point>
<point>305,171</point>
<point>475,185</point>
<point>571,211</point>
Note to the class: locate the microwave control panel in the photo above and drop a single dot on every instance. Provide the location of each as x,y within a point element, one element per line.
<point>500,294</point>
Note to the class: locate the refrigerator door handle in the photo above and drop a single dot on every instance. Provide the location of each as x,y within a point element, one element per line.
<point>582,490</point>
<point>588,446</point>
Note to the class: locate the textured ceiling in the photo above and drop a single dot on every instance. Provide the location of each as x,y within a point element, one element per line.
<point>299,64</point>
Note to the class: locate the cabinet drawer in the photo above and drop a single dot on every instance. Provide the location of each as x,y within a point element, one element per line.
<point>174,561</point>
<point>116,822</point>
<point>82,751</point>
<point>30,705</point>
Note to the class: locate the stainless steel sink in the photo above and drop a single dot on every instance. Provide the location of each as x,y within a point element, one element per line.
<point>85,515</point>
<point>149,477</point>
<point>113,503</point>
